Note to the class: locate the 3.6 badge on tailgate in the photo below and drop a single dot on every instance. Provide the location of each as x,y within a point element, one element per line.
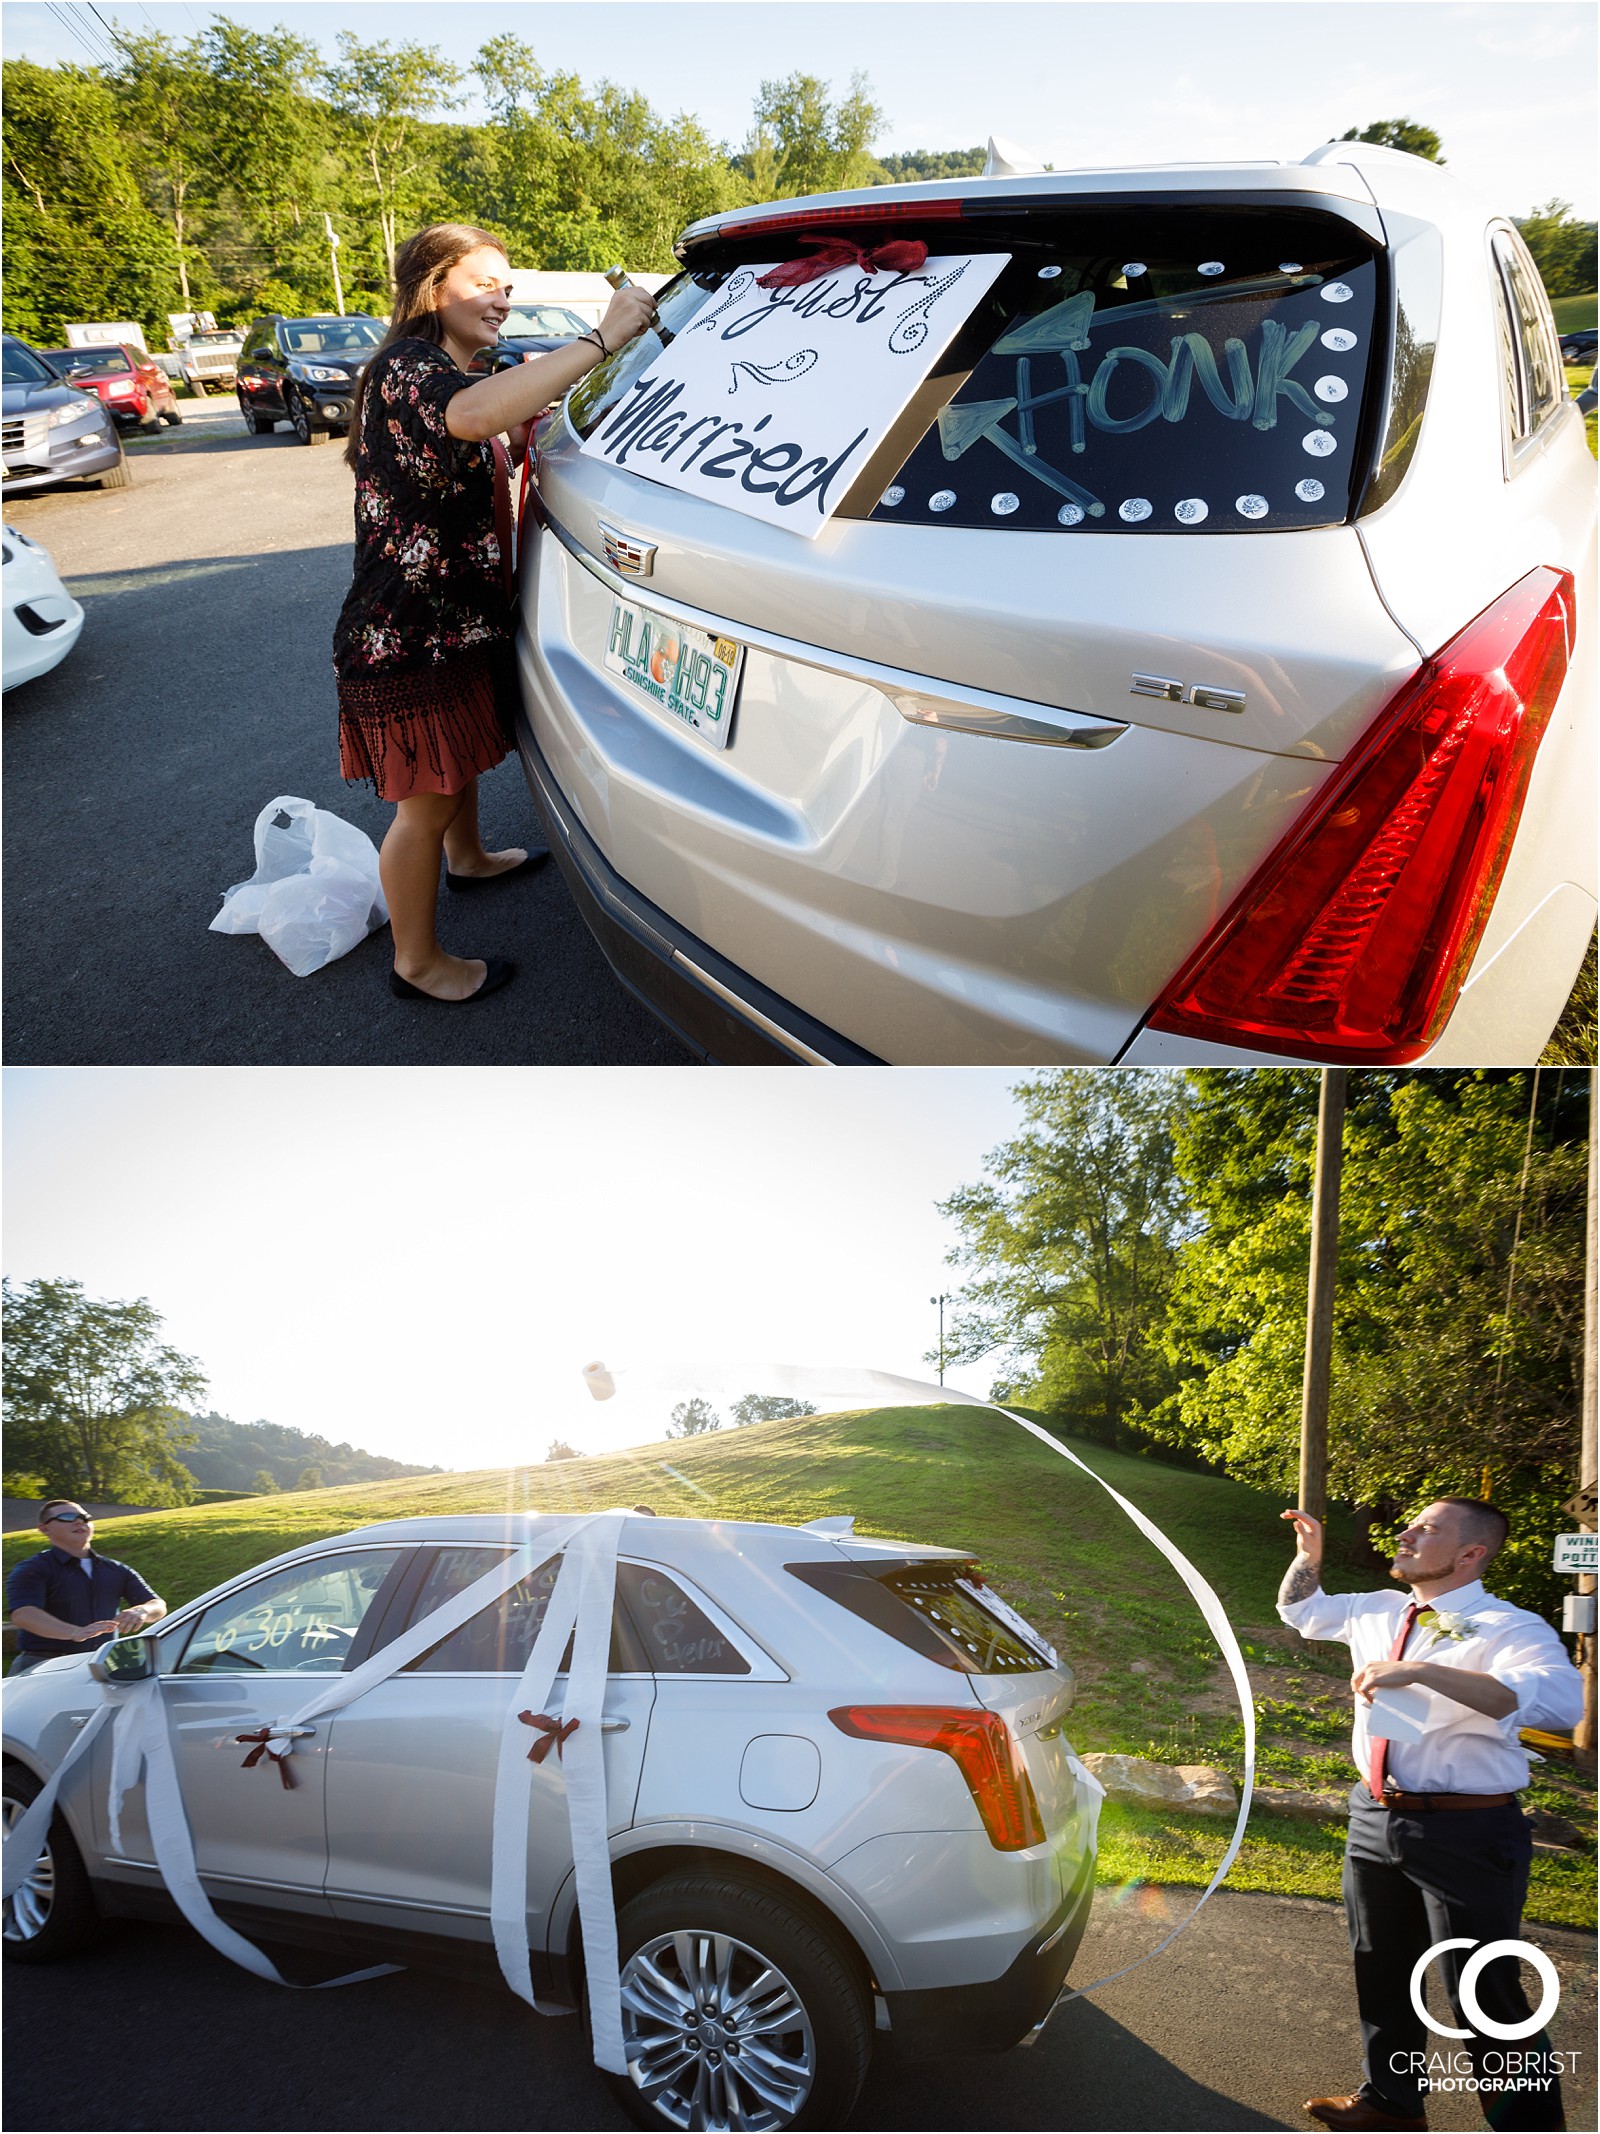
<point>686,672</point>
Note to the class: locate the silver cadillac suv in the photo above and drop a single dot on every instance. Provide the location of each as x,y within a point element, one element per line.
<point>1200,666</point>
<point>841,1802</point>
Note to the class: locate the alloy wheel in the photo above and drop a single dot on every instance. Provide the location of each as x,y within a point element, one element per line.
<point>715,2034</point>
<point>27,1912</point>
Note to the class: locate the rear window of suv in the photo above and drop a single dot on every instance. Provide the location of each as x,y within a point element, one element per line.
<point>936,1609</point>
<point>1135,369</point>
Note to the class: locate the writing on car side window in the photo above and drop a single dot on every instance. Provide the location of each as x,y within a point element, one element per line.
<point>301,1620</point>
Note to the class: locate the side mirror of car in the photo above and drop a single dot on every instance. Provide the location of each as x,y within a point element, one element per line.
<point>124,1660</point>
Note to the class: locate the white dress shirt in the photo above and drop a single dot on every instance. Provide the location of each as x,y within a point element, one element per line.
<point>1462,1751</point>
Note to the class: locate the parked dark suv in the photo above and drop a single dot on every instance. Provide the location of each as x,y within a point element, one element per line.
<point>304,371</point>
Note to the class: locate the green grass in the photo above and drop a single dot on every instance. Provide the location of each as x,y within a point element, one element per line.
<point>1054,1545</point>
<point>1574,311</point>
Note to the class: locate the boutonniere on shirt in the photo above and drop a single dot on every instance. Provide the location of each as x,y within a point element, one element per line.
<point>1444,1624</point>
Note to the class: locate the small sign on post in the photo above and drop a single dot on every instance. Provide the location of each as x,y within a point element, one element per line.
<point>1577,1552</point>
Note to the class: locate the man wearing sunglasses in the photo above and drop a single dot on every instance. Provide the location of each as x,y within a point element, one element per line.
<point>67,1598</point>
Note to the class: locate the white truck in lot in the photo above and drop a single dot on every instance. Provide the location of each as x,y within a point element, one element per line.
<point>202,353</point>
<point>102,333</point>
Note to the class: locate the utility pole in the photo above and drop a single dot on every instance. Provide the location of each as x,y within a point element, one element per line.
<point>941,1300</point>
<point>1319,1301</point>
<point>1583,1734</point>
<point>333,254</point>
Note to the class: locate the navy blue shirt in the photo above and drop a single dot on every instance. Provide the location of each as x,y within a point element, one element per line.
<point>58,1583</point>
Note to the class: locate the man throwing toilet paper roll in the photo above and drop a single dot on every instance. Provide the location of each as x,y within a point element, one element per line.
<point>1438,1847</point>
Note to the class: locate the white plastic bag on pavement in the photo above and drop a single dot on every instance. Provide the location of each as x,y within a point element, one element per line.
<point>315,892</point>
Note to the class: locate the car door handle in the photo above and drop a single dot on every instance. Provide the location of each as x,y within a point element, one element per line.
<point>614,1726</point>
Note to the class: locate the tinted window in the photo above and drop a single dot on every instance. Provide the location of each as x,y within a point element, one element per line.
<point>330,337</point>
<point>605,385</point>
<point>678,1637</point>
<point>1542,381</point>
<point>1204,377</point>
<point>935,1609</point>
<point>301,1620</point>
<point>1133,370</point>
<point>499,1638</point>
<point>656,1626</point>
<point>22,367</point>
<point>83,362</point>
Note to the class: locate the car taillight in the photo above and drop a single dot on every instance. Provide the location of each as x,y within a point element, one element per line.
<point>1353,941</point>
<point>802,219</point>
<point>984,1748</point>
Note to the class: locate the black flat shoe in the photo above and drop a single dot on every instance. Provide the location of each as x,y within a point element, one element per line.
<point>487,881</point>
<point>498,971</point>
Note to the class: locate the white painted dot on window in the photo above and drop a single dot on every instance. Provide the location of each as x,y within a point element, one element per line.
<point>1337,292</point>
<point>1192,510</point>
<point>941,499</point>
<point>1319,443</point>
<point>1004,504</point>
<point>1133,268</point>
<point>1290,266</point>
<point>1212,266</point>
<point>1251,506</point>
<point>1134,507</point>
<point>1309,491</point>
<point>1339,339</point>
<point>1048,274</point>
<point>893,496</point>
<point>1070,515</point>
<point>1331,389</point>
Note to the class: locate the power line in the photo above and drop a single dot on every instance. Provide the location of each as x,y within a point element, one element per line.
<point>64,16</point>
<point>111,34</point>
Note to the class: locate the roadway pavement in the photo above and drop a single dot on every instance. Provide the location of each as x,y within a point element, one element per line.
<point>1250,2011</point>
<point>200,689</point>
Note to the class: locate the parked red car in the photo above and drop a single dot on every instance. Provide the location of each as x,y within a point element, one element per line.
<point>133,385</point>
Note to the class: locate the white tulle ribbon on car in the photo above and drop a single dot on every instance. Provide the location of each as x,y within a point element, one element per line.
<point>862,1388</point>
<point>581,1607</point>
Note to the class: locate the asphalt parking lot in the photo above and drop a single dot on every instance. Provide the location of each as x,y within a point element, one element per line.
<point>200,689</point>
<point>1250,2011</point>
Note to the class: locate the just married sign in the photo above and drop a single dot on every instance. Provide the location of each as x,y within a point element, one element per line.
<point>772,400</point>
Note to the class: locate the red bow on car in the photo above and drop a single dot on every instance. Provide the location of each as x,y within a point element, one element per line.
<point>828,254</point>
<point>552,1734</point>
<point>264,1737</point>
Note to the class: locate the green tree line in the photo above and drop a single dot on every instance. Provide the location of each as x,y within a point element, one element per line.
<point>1136,1260</point>
<point>203,172</point>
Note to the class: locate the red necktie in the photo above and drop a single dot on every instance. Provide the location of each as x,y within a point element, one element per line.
<point>1379,1747</point>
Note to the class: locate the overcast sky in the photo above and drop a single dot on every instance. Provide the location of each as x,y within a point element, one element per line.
<point>1510,85</point>
<point>423,1260</point>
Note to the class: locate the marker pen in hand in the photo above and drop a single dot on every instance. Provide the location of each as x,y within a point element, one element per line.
<point>621,280</point>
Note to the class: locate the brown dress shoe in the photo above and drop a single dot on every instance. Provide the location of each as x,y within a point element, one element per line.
<point>1356,2111</point>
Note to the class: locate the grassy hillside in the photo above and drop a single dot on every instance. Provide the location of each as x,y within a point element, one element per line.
<point>1150,1679</point>
<point>1574,311</point>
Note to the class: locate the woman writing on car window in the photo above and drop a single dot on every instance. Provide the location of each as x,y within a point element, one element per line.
<point>423,645</point>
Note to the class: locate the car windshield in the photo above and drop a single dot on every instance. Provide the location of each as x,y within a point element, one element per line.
<point>330,337</point>
<point>20,366</point>
<point>88,362</point>
<point>222,338</point>
<point>1195,368</point>
<point>543,319</point>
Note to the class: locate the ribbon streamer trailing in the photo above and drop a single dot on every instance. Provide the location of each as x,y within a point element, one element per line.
<point>848,1385</point>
